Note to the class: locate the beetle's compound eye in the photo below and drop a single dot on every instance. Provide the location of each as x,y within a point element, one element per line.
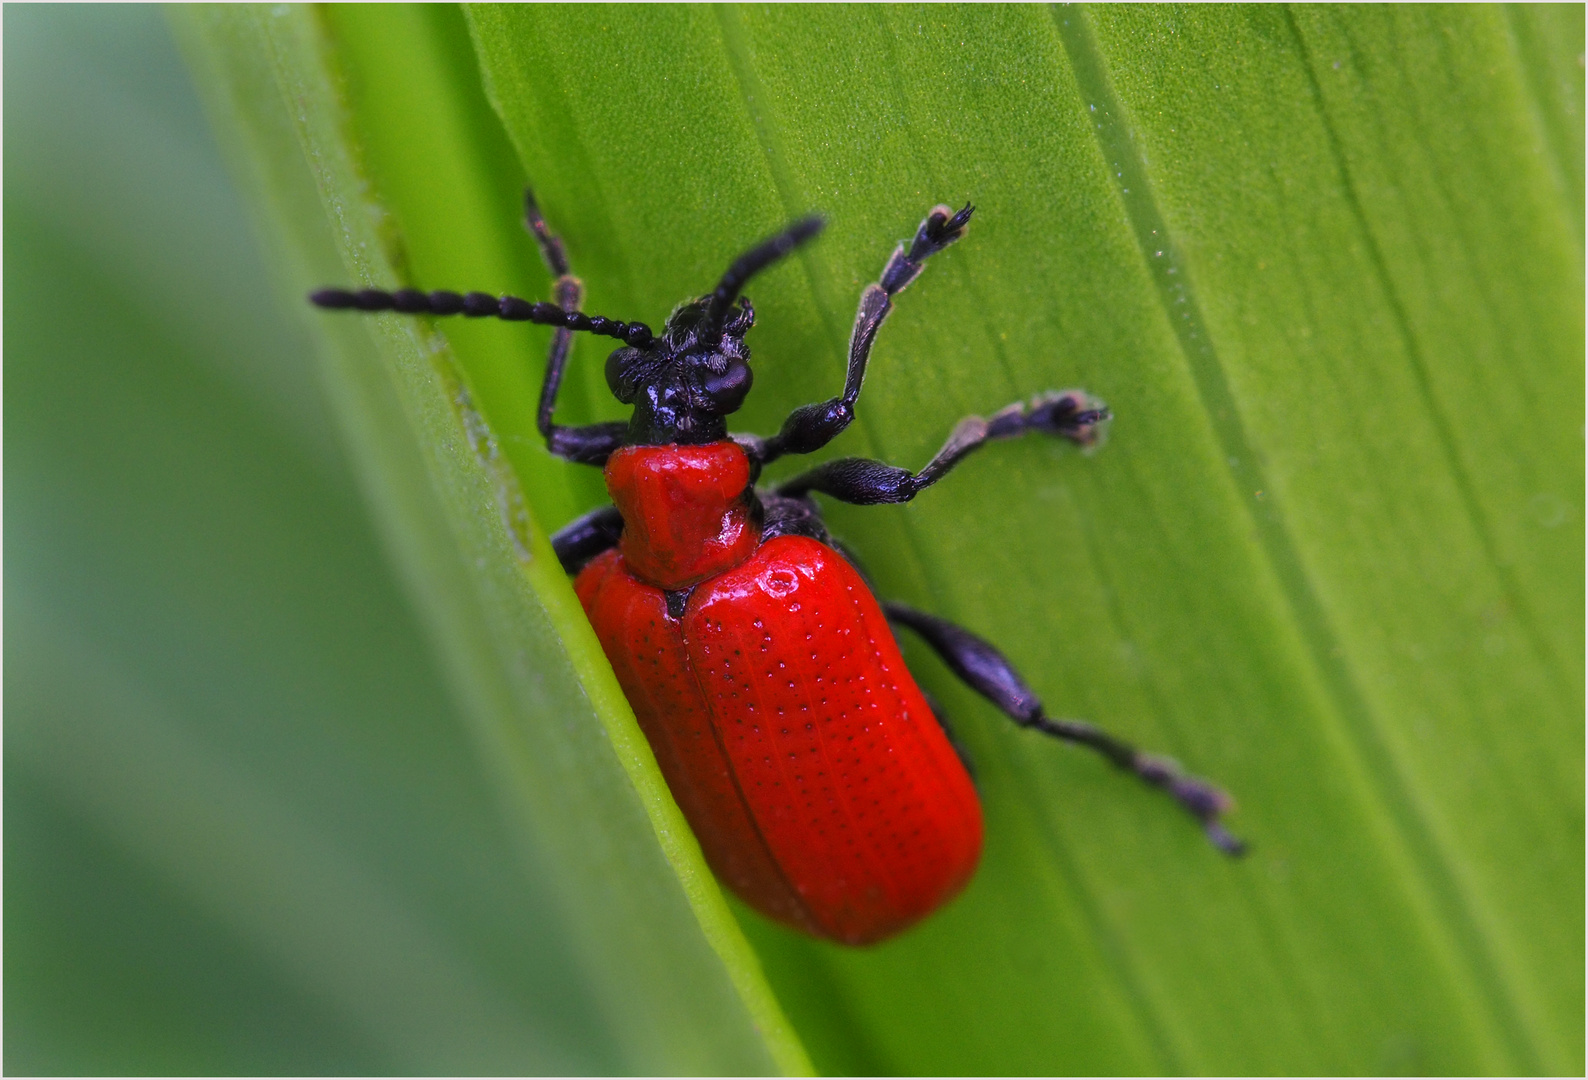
<point>725,392</point>
<point>627,370</point>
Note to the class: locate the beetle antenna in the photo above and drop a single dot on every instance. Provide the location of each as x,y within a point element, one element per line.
<point>755,260</point>
<point>479,305</point>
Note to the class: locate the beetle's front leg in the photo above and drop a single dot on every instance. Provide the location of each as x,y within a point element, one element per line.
<point>594,443</point>
<point>812,427</point>
<point>583,538</point>
<point>1072,414</point>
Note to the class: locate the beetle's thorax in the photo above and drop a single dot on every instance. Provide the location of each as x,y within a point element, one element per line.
<point>687,510</point>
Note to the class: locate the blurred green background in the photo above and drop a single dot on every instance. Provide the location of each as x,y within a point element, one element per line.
<point>248,828</point>
<point>244,828</point>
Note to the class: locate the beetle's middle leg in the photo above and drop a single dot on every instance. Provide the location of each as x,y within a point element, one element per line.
<point>988,672</point>
<point>1072,414</point>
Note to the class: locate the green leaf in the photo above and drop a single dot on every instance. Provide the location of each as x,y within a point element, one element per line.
<point>577,784</point>
<point>1325,265</point>
<point>246,828</point>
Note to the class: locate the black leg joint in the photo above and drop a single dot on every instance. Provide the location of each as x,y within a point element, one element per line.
<point>583,538</point>
<point>811,427</point>
<point>983,668</point>
<point>590,445</point>
<point>782,516</point>
<point>855,480</point>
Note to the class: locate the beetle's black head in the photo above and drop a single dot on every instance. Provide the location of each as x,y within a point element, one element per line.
<point>684,383</point>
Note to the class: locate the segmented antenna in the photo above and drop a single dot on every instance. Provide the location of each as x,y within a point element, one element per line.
<point>479,305</point>
<point>757,259</point>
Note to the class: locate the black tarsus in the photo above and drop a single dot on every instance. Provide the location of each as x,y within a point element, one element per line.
<point>754,261</point>
<point>551,247</point>
<point>1071,414</point>
<point>988,672</point>
<point>811,427</point>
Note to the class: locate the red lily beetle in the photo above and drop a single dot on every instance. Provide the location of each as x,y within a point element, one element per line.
<point>824,788</point>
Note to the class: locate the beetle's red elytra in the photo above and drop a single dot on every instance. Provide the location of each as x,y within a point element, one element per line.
<point>824,787</point>
<point>821,787</point>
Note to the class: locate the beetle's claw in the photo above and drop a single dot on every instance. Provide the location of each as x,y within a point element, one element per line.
<point>1072,414</point>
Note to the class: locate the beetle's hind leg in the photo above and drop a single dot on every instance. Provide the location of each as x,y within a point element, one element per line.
<point>1071,414</point>
<point>988,672</point>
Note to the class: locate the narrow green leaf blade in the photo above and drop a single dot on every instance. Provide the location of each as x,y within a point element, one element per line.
<point>681,990</point>
<point>245,829</point>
